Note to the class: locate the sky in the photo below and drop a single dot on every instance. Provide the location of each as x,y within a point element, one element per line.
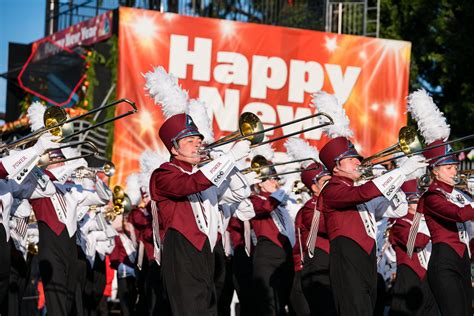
<point>21,21</point>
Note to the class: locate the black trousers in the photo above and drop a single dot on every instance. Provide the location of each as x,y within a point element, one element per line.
<point>316,285</point>
<point>272,276</point>
<point>223,280</point>
<point>94,286</point>
<point>19,274</point>
<point>57,264</point>
<point>151,297</point>
<point>353,276</point>
<point>410,295</point>
<point>299,305</point>
<point>4,266</point>
<point>242,276</point>
<point>449,277</point>
<point>127,294</point>
<point>188,276</point>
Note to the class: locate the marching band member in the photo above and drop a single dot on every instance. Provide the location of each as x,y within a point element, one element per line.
<point>311,251</point>
<point>350,224</point>
<point>411,291</point>
<point>187,199</point>
<point>239,231</point>
<point>447,212</point>
<point>123,259</point>
<point>57,225</point>
<point>272,259</point>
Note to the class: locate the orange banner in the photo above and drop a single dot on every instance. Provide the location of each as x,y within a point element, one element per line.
<point>271,71</point>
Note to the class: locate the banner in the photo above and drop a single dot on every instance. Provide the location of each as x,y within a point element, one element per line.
<point>271,71</point>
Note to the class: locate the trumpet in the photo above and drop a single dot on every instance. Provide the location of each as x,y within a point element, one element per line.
<point>108,168</point>
<point>408,144</point>
<point>251,129</point>
<point>57,123</point>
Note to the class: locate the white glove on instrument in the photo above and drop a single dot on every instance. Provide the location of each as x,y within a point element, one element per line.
<point>290,182</point>
<point>46,141</point>
<point>412,164</point>
<point>240,150</point>
<point>251,178</point>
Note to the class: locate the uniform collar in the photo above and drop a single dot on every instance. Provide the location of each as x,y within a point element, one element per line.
<point>441,185</point>
<point>183,164</point>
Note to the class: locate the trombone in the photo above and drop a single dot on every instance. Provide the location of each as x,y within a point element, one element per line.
<point>45,159</point>
<point>261,166</point>
<point>57,123</point>
<point>251,128</point>
<point>408,144</point>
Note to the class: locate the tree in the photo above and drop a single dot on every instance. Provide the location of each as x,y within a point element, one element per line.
<point>442,62</point>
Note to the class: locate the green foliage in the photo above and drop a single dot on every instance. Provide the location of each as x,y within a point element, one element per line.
<point>112,64</point>
<point>93,57</point>
<point>442,52</point>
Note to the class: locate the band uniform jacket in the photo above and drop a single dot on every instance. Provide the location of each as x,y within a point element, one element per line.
<point>263,223</point>
<point>445,219</point>
<point>303,223</point>
<point>170,186</point>
<point>338,202</point>
<point>398,239</point>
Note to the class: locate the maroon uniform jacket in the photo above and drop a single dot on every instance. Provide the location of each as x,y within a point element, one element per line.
<point>3,171</point>
<point>236,232</point>
<point>142,221</point>
<point>263,224</point>
<point>338,202</point>
<point>44,211</point>
<point>303,222</point>
<point>398,238</point>
<point>169,187</point>
<point>119,255</point>
<point>441,216</point>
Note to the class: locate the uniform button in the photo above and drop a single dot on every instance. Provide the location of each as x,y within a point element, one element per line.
<point>25,170</point>
<point>18,178</point>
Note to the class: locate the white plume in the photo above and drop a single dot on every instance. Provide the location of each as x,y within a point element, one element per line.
<point>418,173</point>
<point>430,120</point>
<point>297,148</point>
<point>133,188</point>
<point>166,92</point>
<point>149,161</point>
<point>35,114</point>
<point>199,112</point>
<point>328,103</point>
<point>264,150</point>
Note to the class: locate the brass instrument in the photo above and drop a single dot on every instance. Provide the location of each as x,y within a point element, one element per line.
<point>45,159</point>
<point>262,167</point>
<point>251,128</point>
<point>57,123</point>
<point>108,169</point>
<point>408,144</point>
<point>122,204</point>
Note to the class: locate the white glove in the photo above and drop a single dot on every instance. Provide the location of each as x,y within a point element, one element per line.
<point>251,178</point>
<point>76,163</point>
<point>412,164</point>
<point>46,141</point>
<point>240,150</point>
<point>290,182</point>
<point>215,153</point>
<point>378,170</point>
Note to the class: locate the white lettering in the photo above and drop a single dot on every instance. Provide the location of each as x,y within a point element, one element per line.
<point>342,84</point>
<point>299,84</point>
<point>265,112</point>
<point>267,72</point>
<point>226,112</point>
<point>235,70</point>
<point>181,57</point>
<point>286,114</point>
